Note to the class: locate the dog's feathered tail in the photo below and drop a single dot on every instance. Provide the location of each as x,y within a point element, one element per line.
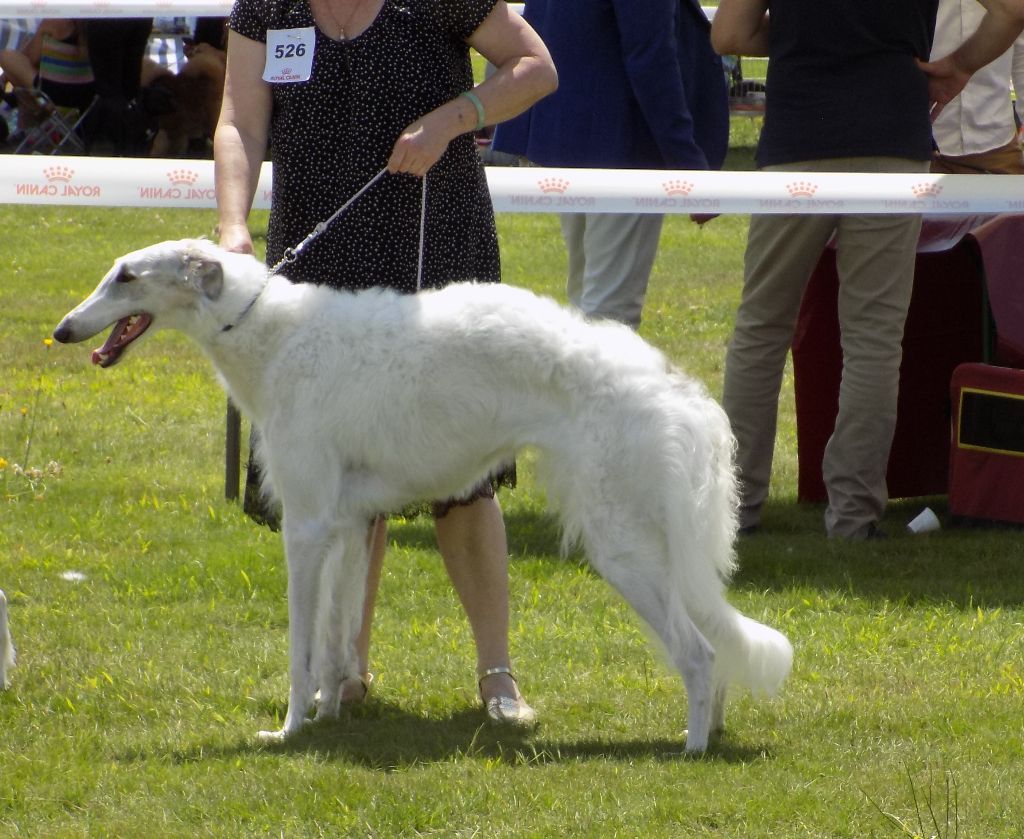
<point>747,653</point>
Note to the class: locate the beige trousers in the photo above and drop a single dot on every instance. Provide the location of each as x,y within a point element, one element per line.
<point>1006,160</point>
<point>875,263</point>
<point>610,260</point>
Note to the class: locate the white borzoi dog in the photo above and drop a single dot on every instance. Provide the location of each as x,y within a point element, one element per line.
<point>371,401</point>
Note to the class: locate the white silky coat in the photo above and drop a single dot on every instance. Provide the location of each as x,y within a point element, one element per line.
<point>370,401</point>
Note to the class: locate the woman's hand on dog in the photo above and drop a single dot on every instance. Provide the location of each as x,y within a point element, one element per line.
<point>236,238</point>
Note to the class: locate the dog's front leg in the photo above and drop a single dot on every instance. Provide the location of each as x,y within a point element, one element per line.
<point>343,594</point>
<point>305,550</point>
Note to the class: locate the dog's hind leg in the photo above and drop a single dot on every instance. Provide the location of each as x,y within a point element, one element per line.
<point>696,659</point>
<point>306,544</point>
<point>343,594</point>
<point>692,655</point>
<point>630,574</point>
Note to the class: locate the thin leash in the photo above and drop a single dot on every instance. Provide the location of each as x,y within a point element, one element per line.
<point>291,254</point>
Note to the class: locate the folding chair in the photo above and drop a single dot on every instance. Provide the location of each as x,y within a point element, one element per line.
<point>50,128</point>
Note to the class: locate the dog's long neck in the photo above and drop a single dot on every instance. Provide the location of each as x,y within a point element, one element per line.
<point>240,341</point>
<point>227,327</point>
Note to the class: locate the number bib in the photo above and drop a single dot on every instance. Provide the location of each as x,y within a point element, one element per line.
<point>289,55</point>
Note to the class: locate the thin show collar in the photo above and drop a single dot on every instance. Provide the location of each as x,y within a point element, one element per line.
<point>248,307</point>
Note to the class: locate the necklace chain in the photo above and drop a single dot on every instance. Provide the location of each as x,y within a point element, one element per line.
<point>342,25</point>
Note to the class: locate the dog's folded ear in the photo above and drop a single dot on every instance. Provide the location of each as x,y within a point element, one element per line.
<point>206,273</point>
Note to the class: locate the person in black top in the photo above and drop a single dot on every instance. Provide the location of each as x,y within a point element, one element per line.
<point>340,90</point>
<point>848,90</point>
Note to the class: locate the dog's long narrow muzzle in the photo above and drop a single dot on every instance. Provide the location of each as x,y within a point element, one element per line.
<point>63,334</point>
<point>125,331</point>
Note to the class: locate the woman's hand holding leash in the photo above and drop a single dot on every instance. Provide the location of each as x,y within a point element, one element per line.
<point>423,142</point>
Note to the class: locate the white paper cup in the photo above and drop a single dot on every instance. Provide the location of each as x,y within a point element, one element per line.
<point>924,522</point>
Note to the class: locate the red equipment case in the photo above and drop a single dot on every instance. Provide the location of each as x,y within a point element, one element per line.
<point>986,463</point>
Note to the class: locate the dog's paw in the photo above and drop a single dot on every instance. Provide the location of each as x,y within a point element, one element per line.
<point>272,737</point>
<point>695,745</point>
<point>282,734</point>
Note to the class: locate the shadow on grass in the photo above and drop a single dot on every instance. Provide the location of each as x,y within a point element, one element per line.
<point>963,565</point>
<point>385,738</point>
<point>530,531</point>
<point>967,566</point>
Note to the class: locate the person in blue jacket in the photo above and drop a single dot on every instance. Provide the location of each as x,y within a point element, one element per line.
<point>640,87</point>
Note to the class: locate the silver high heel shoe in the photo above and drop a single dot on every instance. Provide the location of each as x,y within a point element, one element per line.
<point>355,689</point>
<point>506,710</point>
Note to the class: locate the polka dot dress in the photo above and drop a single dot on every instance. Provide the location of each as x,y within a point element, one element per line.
<point>332,133</point>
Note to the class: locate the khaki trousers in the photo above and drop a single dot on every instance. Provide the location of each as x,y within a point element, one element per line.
<point>1006,160</point>
<point>875,262</point>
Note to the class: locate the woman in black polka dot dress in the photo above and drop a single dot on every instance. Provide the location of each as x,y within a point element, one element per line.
<point>339,90</point>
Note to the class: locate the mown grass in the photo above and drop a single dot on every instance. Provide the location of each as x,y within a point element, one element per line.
<point>141,682</point>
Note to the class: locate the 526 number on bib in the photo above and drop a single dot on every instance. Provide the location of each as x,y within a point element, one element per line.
<point>289,51</point>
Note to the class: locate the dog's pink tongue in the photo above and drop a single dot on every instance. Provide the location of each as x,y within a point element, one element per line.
<point>111,344</point>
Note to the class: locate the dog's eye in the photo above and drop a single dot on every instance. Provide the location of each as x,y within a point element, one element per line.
<point>125,275</point>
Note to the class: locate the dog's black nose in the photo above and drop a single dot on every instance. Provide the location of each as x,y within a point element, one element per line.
<point>62,333</point>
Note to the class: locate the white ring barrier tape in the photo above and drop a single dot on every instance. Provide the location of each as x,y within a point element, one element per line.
<point>679,191</point>
<point>143,182</point>
<point>124,8</point>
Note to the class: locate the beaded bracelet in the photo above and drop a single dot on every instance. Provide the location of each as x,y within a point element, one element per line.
<point>481,118</point>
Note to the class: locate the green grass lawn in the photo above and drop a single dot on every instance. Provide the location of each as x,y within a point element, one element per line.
<point>150,619</point>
